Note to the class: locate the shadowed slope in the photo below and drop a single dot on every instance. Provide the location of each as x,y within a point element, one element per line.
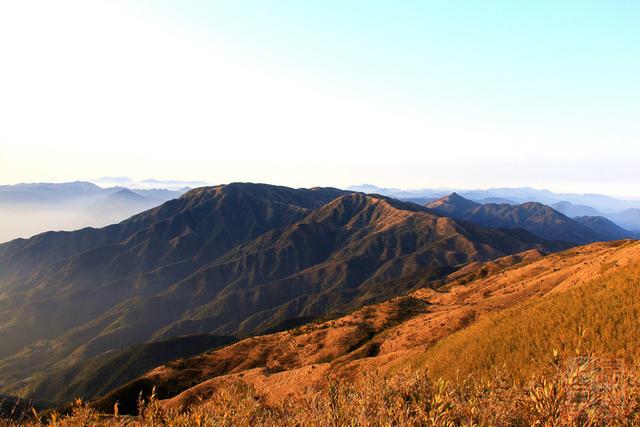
<point>604,227</point>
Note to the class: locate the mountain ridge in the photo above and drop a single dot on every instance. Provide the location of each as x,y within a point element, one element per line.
<point>534,217</point>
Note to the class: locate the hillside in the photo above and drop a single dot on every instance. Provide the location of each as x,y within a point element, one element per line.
<point>238,259</point>
<point>520,340</point>
<point>493,307</point>
<point>536,218</point>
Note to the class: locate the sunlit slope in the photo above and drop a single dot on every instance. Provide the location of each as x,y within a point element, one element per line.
<point>602,316</point>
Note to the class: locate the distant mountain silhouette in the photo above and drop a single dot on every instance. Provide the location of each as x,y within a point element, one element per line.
<point>29,209</point>
<point>536,218</point>
<point>227,260</point>
<point>39,193</point>
<point>629,219</point>
<point>126,201</point>
<point>572,211</point>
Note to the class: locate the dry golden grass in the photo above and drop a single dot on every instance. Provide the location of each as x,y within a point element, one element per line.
<point>517,339</point>
<point>580,391</point>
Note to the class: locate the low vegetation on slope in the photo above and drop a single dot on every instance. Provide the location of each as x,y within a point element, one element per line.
<point>577,393</point>
<point>603,314</point>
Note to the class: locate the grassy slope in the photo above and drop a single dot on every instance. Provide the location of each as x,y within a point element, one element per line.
<point>521,339</point>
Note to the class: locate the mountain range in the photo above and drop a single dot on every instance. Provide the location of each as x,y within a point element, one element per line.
<point>624,213</point>
<point>28,209</point>
<point>534,217</point>
<point>231,260</point>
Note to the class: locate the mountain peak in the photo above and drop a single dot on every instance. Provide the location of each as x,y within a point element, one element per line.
<point>453,204</point>
<point>455,197</point>
<point>126,194</point>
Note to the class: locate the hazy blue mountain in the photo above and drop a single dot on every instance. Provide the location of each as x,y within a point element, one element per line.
<point>29,209</point>
<point>47,193</point>
<point>629,218</point>
<point>125,203</point>
<point>572,211</point>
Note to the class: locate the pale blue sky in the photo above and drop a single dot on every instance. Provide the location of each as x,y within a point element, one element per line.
<point>406,94</point>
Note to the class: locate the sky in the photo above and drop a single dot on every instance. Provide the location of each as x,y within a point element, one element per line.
<point>409,94</point>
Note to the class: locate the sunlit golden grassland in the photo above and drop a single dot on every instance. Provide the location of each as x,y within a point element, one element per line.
<point>602,316</point>
<point>575,392</point>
